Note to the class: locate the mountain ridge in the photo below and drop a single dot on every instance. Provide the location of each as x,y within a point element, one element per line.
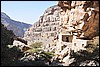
<point>16,26</point>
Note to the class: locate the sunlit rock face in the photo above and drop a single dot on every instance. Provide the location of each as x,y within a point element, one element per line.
<point>46,28</point>
<point>59,29</point>
<point>83,15</point>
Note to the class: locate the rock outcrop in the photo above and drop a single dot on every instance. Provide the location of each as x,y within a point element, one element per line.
<point>73,16</point>
<point>73,22</point>
<point>17,27</point>
<point>91,26</point>
<point>83,11</point>
<point>46,28</point>
<point>82,19</point>
<point>70,30</point>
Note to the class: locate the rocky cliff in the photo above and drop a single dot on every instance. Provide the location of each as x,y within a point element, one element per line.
<point>81,17</point>
<point>46,28</point>
<point>69,30</point>
<point>83,11</point>
<point>17,27</point>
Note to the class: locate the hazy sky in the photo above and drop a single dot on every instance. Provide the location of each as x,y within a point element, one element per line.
<point>25,11</point>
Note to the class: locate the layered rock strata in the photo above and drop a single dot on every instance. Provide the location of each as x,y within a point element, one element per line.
<point>46,28</point>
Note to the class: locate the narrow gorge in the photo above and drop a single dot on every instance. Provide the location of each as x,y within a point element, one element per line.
<point>67,34</point>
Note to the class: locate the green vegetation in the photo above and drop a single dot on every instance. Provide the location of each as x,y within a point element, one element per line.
<point>40,54</point>
<point>48,54</point>
<point>36,45</point>
<point>91,47</point>
<point>8,56</point>
<point>34,50</point>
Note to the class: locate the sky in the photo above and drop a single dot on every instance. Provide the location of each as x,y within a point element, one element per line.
<point>25,11</point>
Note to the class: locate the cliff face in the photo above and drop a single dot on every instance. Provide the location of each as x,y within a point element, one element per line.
<point>46,28</point>
<point>17,27</point>
<point>81,17</point>
<point>91,27</point>
<point>60,28</point>
<point>86,12</point>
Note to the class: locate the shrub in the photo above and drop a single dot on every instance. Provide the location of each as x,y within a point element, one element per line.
<point>33,50</point>
<point>90,48</point>
<point>48,54</point>
<point>36,45</point>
